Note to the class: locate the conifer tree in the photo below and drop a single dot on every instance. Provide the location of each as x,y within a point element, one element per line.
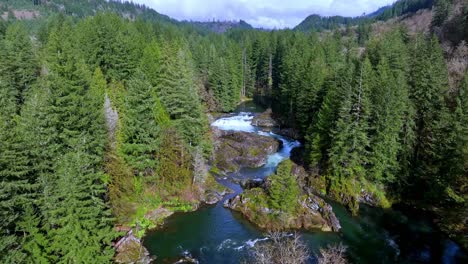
<point>18,63</point>
<point>319,138</point>
<point>284,189</point>
<point>79,225</point>
<point>429,82</point>
<point>174,175</point>
<point>349,150</point>
<point>387,122</point>
<point>40,140</point>
<point>140,131</point>
<point>178,95</point>
<point>441,12</point>
<point>15,185</point>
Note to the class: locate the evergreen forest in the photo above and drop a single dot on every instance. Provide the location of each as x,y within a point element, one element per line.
<point>105,116</point>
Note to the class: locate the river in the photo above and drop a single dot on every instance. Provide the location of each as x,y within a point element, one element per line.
<point>214,234</point>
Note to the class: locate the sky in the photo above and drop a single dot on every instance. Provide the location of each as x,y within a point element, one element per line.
<point>262,13</point>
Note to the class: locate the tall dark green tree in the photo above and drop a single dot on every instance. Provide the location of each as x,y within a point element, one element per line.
<point>349,150</point>
<point>140,130</point>
<point>178,94</point>
<point>429,83</point>
<point>80,225</point>
<point>441,12</point>
<point>284,190</point>
<point>387,122</point>
<point>15,185</point>
<point>18,62</point>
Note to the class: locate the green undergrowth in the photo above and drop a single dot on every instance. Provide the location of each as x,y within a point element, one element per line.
<point>350,191</point>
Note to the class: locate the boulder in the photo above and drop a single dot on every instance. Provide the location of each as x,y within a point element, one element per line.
<point>130,249</point>
<point>187,259</point>
<point>265,120</point>
<point>213,192</point>
<point>158,215</point>
<point>235,150</point>
<point>252,183</point>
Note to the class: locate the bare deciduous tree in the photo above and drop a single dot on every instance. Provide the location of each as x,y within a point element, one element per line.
<point>281,249</point>
<point>333,255</point>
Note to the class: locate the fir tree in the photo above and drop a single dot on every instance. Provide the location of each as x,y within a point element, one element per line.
<point>349,150</point>
<point>18,63</point>
<point>79,224</point>
<point>387,122</point>
<point>140,131</point>
<point>429,82</point>
<point>284,190</point>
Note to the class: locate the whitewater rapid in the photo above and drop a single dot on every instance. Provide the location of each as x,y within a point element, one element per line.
<point>242,122</point>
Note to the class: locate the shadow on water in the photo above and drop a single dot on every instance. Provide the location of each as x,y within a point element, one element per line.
<point>214,234</point>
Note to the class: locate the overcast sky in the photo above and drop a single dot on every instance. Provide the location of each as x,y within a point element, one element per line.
<point>262,13</point>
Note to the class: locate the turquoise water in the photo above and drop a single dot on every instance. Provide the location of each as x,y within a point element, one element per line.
<point>214,234</point>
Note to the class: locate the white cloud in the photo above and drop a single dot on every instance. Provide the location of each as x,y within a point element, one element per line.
<point>262,13</point>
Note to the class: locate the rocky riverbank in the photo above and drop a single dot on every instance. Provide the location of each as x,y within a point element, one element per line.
<point>311,212</point>
<point>234,150</point>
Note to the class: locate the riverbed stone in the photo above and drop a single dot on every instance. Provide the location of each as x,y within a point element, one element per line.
<point>234,150</point>
<point>130,249</point>
<point>265,119</point>
<point>158,215</point>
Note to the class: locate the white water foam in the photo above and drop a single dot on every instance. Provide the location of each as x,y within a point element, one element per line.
<point>391,242</point>
<point>226,244</point>
<point>240,122</point>
<point>230,244</point>
<point>284,153</point>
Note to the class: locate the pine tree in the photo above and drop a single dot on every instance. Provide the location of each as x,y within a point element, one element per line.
<point>40,140</point>
<point>387,122</point>
<point>441,12</point>
<point>453,148</point>
<point>18,63</point>
<point>284,189</point>
<point>15,185</point>
<point>33,239</point>
<point>73,195</point>
<point>79,225</point>
<point>319,138</point>
<point>140,130</point>
<point>174,175</point>
<point>178,95</point>
<point>349,149</point>
<point>429,82</point>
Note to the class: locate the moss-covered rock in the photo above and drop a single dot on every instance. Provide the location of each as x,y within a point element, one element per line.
<point>241,149</point>
<point>265,120</point>
<point>214,192</point>
<point>311,212</point>
<point>130,250</point>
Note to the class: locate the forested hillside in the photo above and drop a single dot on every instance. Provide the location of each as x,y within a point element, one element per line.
<point>103,118</point>
<point>399,8</point>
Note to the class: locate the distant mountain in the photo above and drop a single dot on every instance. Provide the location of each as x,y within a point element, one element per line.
<point>30,9</point>
<point>379,11</point>
<point>222,26</point>
<point>81,8</point>
<point>399,8</point>
<point>318,23</point>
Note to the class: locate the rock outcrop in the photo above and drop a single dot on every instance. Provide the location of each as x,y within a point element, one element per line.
<point>235,150</point>
<point>158,215</point>
<point>130,250</point>
<point>312,212</point>
<point>264,120</point>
